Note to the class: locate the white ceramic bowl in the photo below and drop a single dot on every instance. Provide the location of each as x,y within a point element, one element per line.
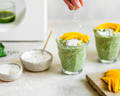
<point>11,77</point>
<point>38,66</point>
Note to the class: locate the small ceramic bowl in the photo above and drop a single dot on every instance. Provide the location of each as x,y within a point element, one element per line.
<point>36,66</point>
<point>11,77</point>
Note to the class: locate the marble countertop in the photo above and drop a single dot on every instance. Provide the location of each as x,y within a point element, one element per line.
<point>53,82</point>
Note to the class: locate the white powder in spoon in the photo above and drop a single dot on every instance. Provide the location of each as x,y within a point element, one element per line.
<point>8,69</point>
<point>36,56</point>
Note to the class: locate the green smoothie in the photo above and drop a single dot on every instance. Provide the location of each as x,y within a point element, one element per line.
<point>108,47</point>
<point>72,57</point>
<point>7,16</point>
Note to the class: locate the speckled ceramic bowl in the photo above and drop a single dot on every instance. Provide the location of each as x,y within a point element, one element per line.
<point>39,66</point>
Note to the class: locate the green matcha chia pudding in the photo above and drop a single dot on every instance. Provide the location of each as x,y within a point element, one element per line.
<point>7,17</point>
<point>107,37</point>
<point>7,12</point>
<point>72,51</point>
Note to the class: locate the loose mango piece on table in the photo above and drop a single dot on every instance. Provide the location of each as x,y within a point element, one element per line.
<point>112,78</point>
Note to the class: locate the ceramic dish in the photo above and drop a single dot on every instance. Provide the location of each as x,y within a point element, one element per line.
<point>10,76</point>
<point>33,62</point>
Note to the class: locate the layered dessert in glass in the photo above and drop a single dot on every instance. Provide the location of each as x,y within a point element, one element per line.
<point>107,37</point>
<point>72,51</point>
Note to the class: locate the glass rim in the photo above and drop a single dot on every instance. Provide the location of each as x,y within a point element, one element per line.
<point>9,2</point>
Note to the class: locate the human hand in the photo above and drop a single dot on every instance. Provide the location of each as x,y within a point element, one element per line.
<point>74,4</point>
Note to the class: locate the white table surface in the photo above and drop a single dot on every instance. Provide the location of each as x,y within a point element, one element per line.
<point>53,82</point>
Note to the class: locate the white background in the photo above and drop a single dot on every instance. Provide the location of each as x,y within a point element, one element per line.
<point>93,9</point>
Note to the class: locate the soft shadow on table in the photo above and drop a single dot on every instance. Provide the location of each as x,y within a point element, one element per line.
<point>89,87</point>
<point>55,69</point>
<point>92,56</point>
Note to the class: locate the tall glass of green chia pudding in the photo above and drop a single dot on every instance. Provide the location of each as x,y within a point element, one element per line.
<point>72,51</point>
<point>107,37</point>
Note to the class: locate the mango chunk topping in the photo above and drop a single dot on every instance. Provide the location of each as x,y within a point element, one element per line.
<point>114,26</point>
<point>75,35</point>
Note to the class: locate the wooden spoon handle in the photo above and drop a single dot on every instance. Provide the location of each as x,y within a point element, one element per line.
<point>47,40</point>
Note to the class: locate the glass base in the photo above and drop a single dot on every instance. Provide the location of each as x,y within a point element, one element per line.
<point>72,73</point>
<point>107,61</point>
